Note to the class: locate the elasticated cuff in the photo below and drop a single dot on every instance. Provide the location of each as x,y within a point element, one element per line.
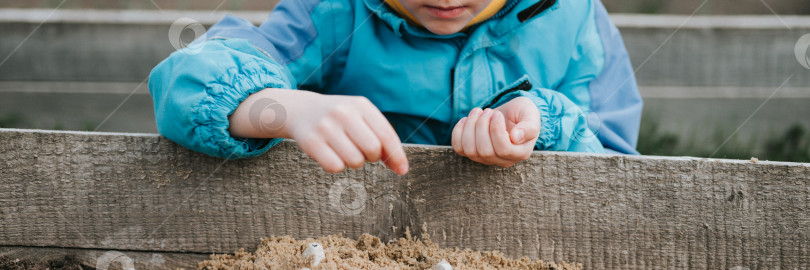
<point>222,99</point>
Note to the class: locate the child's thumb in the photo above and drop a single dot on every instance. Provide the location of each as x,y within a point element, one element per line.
<point>518,136</point>
<point>522,133</point>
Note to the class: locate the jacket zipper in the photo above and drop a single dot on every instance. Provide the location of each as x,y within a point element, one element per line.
<point>453,106</point>
<point>452,81</point>
<point>535,10</point>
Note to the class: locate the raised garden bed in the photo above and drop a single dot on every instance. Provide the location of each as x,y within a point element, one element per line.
<point>162,206</point>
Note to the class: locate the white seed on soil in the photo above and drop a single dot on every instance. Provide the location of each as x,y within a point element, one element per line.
<point>314,250</point>
<point>443,265</point>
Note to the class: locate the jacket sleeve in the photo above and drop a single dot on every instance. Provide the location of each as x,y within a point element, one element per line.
<point>194,93</point>
<point>597,107</point>
<point>616,102</point>
<point>195,89</point>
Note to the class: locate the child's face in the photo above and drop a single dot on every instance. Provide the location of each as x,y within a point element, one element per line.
<point>444,17</point>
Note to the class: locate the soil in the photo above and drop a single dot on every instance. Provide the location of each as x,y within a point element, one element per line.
<point>64,263</point>
<point>368,252</point>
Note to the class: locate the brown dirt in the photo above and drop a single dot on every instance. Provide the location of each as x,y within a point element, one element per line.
<point>368,252</point>
<point>64,263</point>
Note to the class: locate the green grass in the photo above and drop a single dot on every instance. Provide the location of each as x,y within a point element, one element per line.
<point>15,120</point>
<point>792,144</point>
<point>10,120</point>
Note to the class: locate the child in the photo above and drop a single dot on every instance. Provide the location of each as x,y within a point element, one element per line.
<point>496,79</point>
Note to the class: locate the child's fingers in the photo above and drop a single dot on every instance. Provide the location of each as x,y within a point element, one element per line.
<point>365,139</point>
<point>347,150</point>
<point>323,154</point>
<point>393,154</point>
<point>395,162</point>
<point>468,135</point>
<point>500,138</point>
<point>456,136</point>
<point>483,141</point>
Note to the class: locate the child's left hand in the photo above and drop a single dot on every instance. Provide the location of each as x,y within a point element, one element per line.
<point>503,136</point>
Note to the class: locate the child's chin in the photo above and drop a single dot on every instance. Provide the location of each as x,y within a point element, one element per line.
<point>444,29</point>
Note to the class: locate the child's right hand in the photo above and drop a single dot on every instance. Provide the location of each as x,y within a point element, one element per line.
<point>336,131</point>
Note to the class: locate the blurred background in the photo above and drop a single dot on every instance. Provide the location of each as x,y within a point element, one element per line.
<point>720,78</point>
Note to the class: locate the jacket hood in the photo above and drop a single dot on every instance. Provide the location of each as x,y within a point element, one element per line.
<point>511,16</point>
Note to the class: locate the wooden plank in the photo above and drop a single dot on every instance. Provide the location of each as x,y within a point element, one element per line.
<point>109,259</point>
<point>143,192</point>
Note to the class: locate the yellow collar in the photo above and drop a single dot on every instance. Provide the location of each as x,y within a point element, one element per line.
<point>488,12</point>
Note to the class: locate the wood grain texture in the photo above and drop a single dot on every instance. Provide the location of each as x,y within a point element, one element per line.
<point>144,193</point>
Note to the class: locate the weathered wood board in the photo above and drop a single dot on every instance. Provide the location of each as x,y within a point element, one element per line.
<point>106,259</point>
<point>141,192</point>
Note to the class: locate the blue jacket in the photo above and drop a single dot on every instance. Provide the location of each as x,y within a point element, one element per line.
<point>566,56</point>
